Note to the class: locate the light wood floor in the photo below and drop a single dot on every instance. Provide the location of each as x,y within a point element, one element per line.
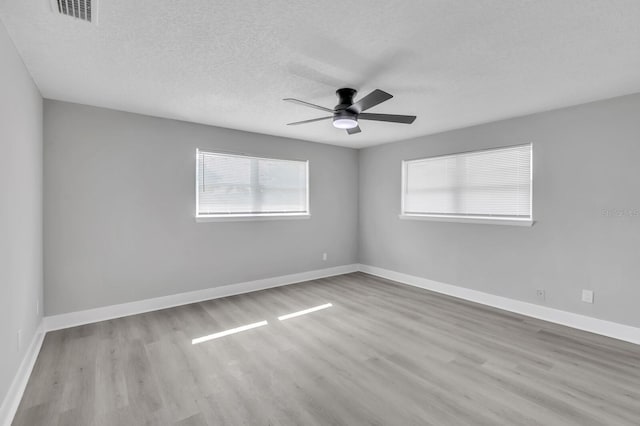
<point>383,354</point>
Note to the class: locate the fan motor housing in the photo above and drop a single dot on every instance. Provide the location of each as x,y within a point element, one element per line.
<point>345,98</point>
<point>346,114</point>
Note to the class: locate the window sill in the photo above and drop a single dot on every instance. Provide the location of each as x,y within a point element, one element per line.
<point>471,219</point>
<point>244,217</point>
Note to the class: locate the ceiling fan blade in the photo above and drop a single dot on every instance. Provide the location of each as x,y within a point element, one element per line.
<point>372,99</point>
<point>299,102</point>
<point>354,130</point>
<point>393,118</point>
<point>308,121</point>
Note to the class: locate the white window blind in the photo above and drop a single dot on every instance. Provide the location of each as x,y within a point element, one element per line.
<point>492,184</point>
<point>234,185</point>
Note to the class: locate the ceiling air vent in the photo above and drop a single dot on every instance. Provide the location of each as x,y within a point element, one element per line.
<point>80,9</point>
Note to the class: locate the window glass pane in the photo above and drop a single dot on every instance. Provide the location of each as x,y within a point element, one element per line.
<point>283,185</point>
<point>232,184</point>
<point>483,183</point>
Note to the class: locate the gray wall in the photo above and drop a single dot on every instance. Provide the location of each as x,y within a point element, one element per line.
<point>20,209</point>
<point>586,160</point>
<point>119,210</point>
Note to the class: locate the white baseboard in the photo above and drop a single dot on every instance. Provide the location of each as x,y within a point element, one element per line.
<point>581,322</point>
<point>72,319</point>
<point>16,390</point>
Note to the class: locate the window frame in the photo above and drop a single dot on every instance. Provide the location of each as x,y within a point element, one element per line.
<point>477,219</point>
<point>231,217</point>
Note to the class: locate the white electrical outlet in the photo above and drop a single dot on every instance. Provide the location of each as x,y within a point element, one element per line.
<point>37,307</point>
<point>540,294</point>
<point>19,342</point>
<point>324,257</point>
<point>587,296</point>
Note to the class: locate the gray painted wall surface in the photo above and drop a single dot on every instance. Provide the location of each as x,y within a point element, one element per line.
<point>120,205</point>
<point>586,161</point>
<point>20,209</point>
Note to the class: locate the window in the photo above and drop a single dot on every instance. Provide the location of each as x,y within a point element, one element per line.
<point>232,186</point>
<point>492,185</point>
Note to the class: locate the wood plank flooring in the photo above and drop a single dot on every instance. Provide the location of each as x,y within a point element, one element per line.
<point>383,354</point>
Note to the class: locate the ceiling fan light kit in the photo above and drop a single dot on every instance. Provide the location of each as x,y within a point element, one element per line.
<point>347,112</point>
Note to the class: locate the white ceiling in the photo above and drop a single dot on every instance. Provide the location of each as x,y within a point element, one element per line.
<point>229,63</point>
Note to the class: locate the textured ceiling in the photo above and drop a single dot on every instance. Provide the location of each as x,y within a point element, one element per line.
<point>229,63</point>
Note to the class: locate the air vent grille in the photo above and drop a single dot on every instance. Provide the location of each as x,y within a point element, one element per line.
<point>80,9</point>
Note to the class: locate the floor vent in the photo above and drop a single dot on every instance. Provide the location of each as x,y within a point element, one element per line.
<point>80,9</point>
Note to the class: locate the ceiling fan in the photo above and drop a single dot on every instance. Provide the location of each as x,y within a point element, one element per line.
<point>346,114</point>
